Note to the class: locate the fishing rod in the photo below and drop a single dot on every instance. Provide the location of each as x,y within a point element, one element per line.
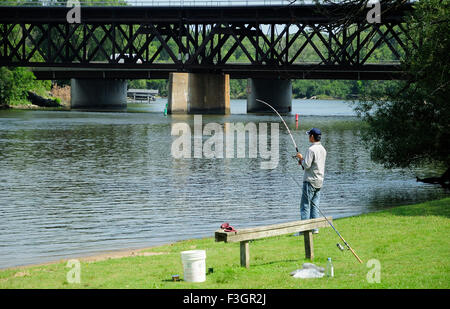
<point>337,232</point>
<point>289,131</point>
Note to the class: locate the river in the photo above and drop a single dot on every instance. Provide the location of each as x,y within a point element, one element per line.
<point>79,183</point>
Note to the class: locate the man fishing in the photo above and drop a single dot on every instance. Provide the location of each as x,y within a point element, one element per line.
<point>314,165</point>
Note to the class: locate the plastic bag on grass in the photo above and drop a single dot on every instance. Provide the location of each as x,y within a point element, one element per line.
<point>308,270</point>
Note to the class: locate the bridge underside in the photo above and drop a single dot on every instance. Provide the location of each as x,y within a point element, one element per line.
<point>289,42</point>
<point>367,72</point>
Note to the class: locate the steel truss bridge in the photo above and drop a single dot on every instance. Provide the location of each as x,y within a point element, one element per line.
<point>256,41</point>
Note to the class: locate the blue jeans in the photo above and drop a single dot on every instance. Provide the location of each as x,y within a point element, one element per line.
<point>310,202</point>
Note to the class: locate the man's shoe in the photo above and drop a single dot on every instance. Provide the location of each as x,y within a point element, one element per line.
<point>315,231</point>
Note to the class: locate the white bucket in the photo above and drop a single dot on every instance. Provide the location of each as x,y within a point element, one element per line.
<point>194,265</point>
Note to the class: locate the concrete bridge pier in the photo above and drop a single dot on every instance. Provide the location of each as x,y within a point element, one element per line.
<point>199,93</point>
<point>276,92</point>
<point>98,94</point>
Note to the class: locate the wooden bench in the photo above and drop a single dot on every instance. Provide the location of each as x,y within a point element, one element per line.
<point>245,235</point>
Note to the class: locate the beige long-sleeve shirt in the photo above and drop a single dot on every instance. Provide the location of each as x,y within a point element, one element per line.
<point>314,164</point>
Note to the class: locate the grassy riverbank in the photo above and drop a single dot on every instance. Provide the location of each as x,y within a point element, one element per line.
<point>411,243</point>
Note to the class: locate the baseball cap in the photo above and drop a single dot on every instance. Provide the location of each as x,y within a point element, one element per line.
<point>314,131</point>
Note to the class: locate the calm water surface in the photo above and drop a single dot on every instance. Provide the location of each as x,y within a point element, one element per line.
<point>79,183</point>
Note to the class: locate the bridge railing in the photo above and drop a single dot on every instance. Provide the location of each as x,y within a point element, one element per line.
<point>155,3</point>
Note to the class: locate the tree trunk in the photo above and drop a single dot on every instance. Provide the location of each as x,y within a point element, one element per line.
<point>40,101</point>
<point>444,180</point>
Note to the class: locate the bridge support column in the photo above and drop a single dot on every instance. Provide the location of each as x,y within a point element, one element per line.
<point>198,93</point>
<point>100,94</point>
<point>276,92</point>
<point>178,93</point>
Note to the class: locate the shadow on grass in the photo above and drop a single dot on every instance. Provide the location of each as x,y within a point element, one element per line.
<point>256,264</point>
<point>434,208</point>
<point>171,280</point>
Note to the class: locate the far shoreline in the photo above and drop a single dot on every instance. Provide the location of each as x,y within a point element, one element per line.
<point>32,106</point>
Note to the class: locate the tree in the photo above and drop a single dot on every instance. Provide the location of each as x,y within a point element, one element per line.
<point>409,121</point>
<point>14,85</point>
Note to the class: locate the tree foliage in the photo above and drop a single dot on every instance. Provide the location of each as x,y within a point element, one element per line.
<point>409,121</point>
<point>14,84</point>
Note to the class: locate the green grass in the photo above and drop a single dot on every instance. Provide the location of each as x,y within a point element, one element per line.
<point>411,242</point>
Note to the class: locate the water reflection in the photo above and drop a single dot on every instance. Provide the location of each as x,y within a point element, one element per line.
<point>77,183</point>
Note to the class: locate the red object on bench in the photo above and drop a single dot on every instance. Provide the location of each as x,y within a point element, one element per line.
<point>227,227</point>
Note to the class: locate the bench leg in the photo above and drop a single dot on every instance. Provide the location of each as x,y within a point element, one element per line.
<point>245,254</point>
<point>309,246</point>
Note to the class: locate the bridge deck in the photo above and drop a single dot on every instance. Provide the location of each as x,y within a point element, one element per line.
<point>201,15</point>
